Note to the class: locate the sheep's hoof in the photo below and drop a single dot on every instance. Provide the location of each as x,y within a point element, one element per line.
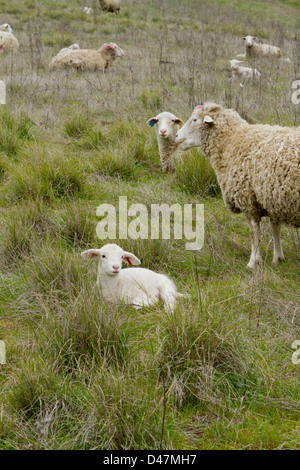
<point>278,259</point>
<point>253,265</point>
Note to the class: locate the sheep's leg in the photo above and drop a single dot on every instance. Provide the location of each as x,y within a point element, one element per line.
<point>254,226</point>
<point>278,253</point>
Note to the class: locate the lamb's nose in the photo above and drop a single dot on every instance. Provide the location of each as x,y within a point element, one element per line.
<point>116,268</point>
<point>163,131</point>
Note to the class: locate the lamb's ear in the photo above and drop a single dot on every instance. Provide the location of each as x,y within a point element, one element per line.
<point>152,121</point>
<point>179,122</point>
<point>91,254</point>
<point>130,258</point>
<point>209,121</point>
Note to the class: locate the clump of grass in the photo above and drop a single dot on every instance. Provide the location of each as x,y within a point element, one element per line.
<point>127,416</point>
<point>85,329</point>
<point>14,130</point>
<point>93,140</point>
<point>195,175</point>
<point>151,100</point>
<point>201,359</point>
<point>46,178</point>
<point>53,270</point>
<point>77,126</point>
<point>115,164</point>
<point>75,224</point>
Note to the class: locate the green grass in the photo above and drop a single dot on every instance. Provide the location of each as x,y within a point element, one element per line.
<point>84,374</point>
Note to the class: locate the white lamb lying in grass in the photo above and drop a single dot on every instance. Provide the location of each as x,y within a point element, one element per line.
<point>138,287</point>
<point>239,70</point>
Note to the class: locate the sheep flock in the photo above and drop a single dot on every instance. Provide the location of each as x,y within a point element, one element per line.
<point>257,165</point>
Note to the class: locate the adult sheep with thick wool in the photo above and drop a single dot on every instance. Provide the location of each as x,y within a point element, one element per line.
<point>8,42</point>
<point>138,287</point>
<point>257,167</point>
<point>87,60</point>
<point>111,6</point>
<point>166,126</point>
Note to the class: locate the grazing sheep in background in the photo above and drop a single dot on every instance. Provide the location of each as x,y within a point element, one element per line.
<point>8,42</point>
<point>87,10</point>
<point>257,167</point>
<point>138,287</point>
<point>253,49</point>
<point>166,127</point>
<point>112,6</point>
<point>87,60</point>
<point>238,70</point>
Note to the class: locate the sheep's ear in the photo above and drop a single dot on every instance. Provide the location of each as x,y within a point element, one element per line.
<point>152,121</point>
<point>208,120</point>
<point>91,254</point>
<point>130,258</point>
<point>179,122</point>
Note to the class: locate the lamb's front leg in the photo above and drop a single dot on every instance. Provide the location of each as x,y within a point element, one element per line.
<point>254,226</point>
<point>278,253</point>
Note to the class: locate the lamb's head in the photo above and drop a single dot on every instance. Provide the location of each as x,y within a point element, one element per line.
<point>113,49</point>
<point>249,41</point>
<point>110,258</point>
<point>6,27</point>
<point>74,47</point>
<point>203,119</point>
<point>166,125</point>
<point>234,63</point>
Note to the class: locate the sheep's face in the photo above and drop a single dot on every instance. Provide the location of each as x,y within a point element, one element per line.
<point>110,258</point>
<point>201,121</point>
<point>6,27</point>
<point>113,49</point>
<point>166,125</point>
<point>248,40</point>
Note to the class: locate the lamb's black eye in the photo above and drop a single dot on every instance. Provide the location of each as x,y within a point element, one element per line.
<point>103,256</point>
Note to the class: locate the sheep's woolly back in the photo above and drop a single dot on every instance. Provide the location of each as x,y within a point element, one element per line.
<point>87,59</point>
<point>8,42</point>
<point>263,50</point>
<point>112,6</point>
<point>257,165</point>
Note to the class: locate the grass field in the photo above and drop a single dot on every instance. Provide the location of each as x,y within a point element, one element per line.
<point>83,374</point>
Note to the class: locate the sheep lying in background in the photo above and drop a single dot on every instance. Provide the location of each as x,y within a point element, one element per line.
<point>66,50</point>
<point>87,60</point>
<point>166,126</point>
<point>112,6</point>
<point>138,287</point>
<point>238,70</point>
<point>253,49</point>
<point>87,10</point>
<point>8,42</point>
<point>257,167</point>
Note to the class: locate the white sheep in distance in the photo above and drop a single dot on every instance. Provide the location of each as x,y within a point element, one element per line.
<point>87,60</point>
<point>238,70</point>
<point>138,287</point>
<point>257,167</point>
<point>87,10</point>
<point>166,126</point>
<point>8,42</point>
<point>111,6</point>
<point>254,49</point>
